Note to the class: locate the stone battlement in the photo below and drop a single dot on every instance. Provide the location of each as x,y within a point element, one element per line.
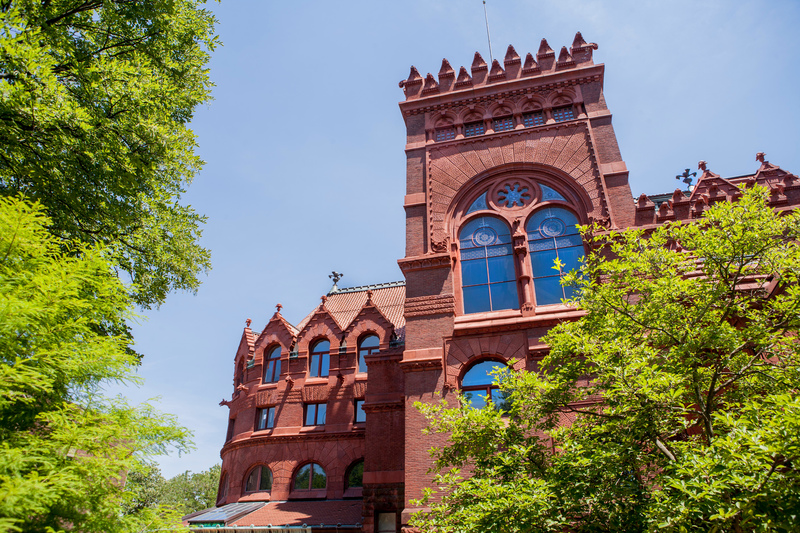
<point>543,64</point>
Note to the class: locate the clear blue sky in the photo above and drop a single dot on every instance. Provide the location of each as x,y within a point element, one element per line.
<point>304,145</point>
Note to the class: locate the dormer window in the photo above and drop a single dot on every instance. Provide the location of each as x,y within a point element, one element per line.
<point>445,134</point>
<point>366,346</point>
<point>472,129</point>
<point>319,359</point>
<point>533,119</point>
<point>272,365</point>
<point>560,114</point>
<point>503,124</point>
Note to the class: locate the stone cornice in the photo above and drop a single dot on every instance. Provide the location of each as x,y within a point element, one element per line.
<point>261,440</point>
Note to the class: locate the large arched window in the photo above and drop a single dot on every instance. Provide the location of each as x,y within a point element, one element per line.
<point>488,278</point>
<point>552,234</point>
<point>310,477</point>
<point>319,359</point>
<point>272,365</point>
<point>259,479</point>
<point>479,385</point>
<point>367,345</point>
<point>355,475</point>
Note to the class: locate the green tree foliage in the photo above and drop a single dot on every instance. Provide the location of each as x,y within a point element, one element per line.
<point>185,493</point>
<point>95,98</point>
<point>680,382</point>
<point>188,492</point>
<point>64,447</point>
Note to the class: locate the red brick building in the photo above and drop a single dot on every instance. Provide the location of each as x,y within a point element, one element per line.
<point>503,161</point>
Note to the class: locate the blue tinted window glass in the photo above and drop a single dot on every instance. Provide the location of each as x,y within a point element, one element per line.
<point>569,240</point>
<point>542,244</point>
<point>277,370</point>
<point>496,251</point>
<point>548,290</point>
<point>325,365</point>
<point>542,263</point>
<point>311,413</point>
<point>468,254</point>
<point>501,269</point>
<point>504,295</point>
<point>271,418</point>
<point>474,272</point>
<point>571,258</point>
<point>550,194</point>
<point>476,399</point>
<point>322,346</point>
<point>314,366</point>
<point>570,292</point>
<point>321,409</point>
<point>478,204</point>
<point>481,374</point>
<point>476,299</point>
<point>361,416</point>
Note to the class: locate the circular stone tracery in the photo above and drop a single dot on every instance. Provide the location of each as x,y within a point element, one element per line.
<point>552,227</point>
<point>484,236</point>
<point>513,195</point>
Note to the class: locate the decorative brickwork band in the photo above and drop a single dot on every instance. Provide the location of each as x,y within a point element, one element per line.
<point>316,393</point>
<point>430,305</point>
<point>424,262</point>
<point>267,397</point>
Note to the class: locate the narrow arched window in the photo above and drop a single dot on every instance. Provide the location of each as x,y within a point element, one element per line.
<point>272,365</point>
<point>553,234</point>
<point>488,278</point>
<point>479,385</point>
<point>355,475</point>
<point>319,359</point>
<point>222,493</point>
<point>239,375</point>
<point>310,477</point>
<point>367,345</point>
<point>259,479</point>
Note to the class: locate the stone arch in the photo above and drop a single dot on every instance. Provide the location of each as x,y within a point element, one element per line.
<point>463,353</point>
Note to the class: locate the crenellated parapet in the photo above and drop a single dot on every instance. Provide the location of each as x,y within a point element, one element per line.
<point>543,64</point>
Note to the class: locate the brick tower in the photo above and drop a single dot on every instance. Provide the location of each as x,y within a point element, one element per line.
<point>502,161</point>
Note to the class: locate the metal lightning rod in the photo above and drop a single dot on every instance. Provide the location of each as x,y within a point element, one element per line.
<point>488,38</point>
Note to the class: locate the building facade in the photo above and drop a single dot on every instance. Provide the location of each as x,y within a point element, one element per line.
<point>503,161</point>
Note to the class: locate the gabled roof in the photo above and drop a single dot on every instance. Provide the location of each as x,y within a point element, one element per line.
<point>344,304</point>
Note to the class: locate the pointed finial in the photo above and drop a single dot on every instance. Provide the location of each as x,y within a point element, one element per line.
<point>278,307</point>
<point>760,157</point>
<point>544,49</point>
<point>702,165</point>
<point>369,295</point>
<point>324,299</point>
<point>478,63</point>
<point>335,276</point>
<point>511,55</point>
<point>446,69</point>
<point>248,322</point>
<point>578,41</point>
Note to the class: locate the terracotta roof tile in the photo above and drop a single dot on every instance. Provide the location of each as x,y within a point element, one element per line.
<point>344,304</point>
<point>313,513</point>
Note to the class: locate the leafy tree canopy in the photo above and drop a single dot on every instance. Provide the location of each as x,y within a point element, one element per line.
<point>672,404</point>
<point>64,447</point>
<point>95,98</point>
<point>185,493</point>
